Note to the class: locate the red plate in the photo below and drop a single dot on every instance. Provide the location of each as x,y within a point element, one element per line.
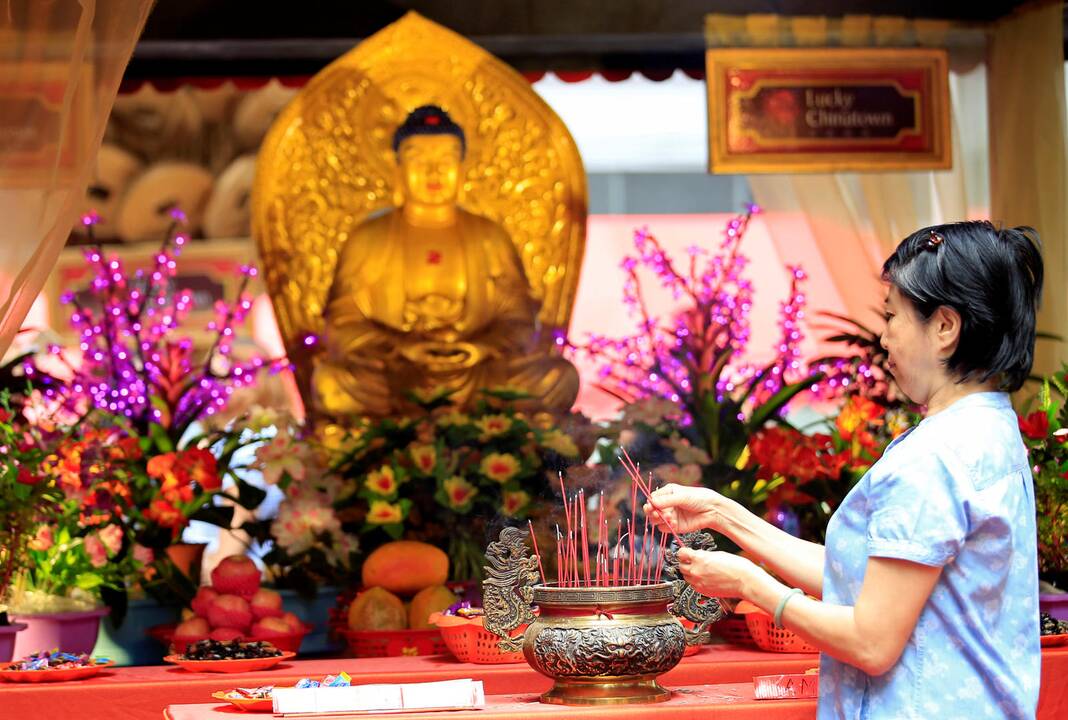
<point>229,666</point>
<point>58,675</point>
<point>244,703</point>
<point>1054,640</point>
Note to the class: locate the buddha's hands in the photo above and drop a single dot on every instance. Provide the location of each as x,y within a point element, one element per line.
<point>685,508</point>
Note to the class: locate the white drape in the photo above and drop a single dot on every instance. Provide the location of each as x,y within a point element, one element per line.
<point>61,62</point>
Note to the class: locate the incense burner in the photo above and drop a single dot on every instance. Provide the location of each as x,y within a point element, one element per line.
<point>600,645</point>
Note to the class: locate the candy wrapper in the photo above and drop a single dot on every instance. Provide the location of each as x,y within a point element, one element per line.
<point>56,660</point>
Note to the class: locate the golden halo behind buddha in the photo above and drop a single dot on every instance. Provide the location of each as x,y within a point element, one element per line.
<point>327,163</point>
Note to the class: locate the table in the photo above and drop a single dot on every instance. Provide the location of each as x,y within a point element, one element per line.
<point>131,693</point>
<point>732,701</point>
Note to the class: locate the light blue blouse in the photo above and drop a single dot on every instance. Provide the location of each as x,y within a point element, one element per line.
<point>956,492</point>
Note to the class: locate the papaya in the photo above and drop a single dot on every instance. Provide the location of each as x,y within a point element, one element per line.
<point>428,600</point>
<point>405,567</point>
<point>377,609</point>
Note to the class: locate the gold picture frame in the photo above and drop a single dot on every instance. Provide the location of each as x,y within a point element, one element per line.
<point>795,110</point>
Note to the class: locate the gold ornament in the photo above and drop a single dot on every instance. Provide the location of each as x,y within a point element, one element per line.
<point>417,304</point>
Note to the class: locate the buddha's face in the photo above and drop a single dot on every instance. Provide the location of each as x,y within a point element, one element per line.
<point>430,168</point>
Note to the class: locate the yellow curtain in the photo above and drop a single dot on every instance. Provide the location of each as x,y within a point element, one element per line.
<point>60,66</point>
<point>1027,151</point>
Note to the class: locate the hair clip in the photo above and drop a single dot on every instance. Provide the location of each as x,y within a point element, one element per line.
<point>934,240</point>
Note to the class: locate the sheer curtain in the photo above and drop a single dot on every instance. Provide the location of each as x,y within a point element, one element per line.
<point>60,66</point>
<point>851,221</point>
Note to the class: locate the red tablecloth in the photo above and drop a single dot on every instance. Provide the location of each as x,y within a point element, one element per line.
<point>698,702</point>
<point>143,692</point>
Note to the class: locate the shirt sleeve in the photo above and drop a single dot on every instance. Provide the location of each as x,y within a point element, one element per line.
<point>917,512</point>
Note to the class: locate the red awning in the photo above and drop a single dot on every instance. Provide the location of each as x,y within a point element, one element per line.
<point>170,84</point>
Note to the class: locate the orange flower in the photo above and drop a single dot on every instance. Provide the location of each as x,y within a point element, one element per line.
<point>199,466</point>
<point>856,415</point>
<point>162,467</point>
<point>384,513</point>
<point>459,491</point>
<point>499,467</point>
<point>382,481</point>
<point>424,457</point>
<point>165,514</point>
<point>513,502</point>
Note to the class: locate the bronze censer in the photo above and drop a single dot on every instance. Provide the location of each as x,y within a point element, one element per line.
<point>601,645</point>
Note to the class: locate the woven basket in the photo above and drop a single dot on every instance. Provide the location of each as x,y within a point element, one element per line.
<point>393,643</point>
<point>470,641</point>
<point>772,639</point>
<point>734,630</point>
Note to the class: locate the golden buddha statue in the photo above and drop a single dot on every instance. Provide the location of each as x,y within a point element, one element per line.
<point>426,256</point>
<point>429,295</point>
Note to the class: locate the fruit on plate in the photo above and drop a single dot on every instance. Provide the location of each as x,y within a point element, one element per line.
<point>270,627</point>
<point>232,650</point>
<point>377,609</point>
<point>191,631</point>
<point>405,566</point>
<point>231,611</point>
<point>202,601</point>
<point>226,634</point>
<point>294,622</point>
<point>266,603</point>
<point>1050,625</point>
<point>427,601</point>
<point>236,575</point>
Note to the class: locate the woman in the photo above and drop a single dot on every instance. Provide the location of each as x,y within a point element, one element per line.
<point>928,583</point>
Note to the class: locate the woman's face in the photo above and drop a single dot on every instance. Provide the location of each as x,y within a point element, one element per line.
<point>912,347</point>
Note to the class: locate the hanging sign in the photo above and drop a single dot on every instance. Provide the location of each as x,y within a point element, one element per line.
<point>827,109</point>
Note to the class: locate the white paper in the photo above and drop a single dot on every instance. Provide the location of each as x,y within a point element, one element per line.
<point>443,695</point>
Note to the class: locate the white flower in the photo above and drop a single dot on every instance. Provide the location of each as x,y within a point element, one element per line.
<point>278,457</point>
<point>649,411</point>
<point>301,520</point>
<point>685,453</point>
<point>685,475</point>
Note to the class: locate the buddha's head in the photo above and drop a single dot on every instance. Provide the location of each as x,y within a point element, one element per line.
<point>430,148</point>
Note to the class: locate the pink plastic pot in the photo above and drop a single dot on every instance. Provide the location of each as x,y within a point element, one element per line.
<point>73,632</point>
<point>1056,604</point>
<point>7,640</point>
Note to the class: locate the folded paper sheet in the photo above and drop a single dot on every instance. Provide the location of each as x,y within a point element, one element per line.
<point>445,695</point>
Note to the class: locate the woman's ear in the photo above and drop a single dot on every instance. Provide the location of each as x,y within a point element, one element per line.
<point>946,324</point>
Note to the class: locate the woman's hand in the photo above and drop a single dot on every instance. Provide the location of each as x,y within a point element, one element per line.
<point>685,508</point>
<point>715,574</point>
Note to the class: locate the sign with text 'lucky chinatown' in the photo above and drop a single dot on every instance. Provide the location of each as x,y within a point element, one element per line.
<point>827,109</point>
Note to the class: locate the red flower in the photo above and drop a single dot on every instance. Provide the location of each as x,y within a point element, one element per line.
<point>1035,425</point>
<point>4,415</point>
<point>165,514</point>
<point>199,466</point>
<point>26,477</point>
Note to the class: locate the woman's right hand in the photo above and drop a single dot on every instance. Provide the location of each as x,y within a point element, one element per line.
<point>685,508</point>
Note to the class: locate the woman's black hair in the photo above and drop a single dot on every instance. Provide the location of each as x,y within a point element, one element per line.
<point>429,120</point>
<point>992,278</point>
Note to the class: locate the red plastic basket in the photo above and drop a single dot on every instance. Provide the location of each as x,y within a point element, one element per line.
<point>470,641</point>
<point>772,639</point>
<point>392,643</point>
<point>734,630</point>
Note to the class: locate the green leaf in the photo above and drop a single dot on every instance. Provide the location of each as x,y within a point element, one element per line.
<point>777,401</point>
<point>160,438</point>
<point>394,530</point>
<point>88,580</point>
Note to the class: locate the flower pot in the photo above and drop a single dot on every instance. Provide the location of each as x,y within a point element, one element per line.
<point>7,640</point>
<point>1056,604</point>
<point>129,644</point>
<point>315,612</point>
<point>73,632</point>
<point>187,558</point>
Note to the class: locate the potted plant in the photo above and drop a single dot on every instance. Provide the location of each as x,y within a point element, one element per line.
<point>1045,432</point>
<point>151,391</point>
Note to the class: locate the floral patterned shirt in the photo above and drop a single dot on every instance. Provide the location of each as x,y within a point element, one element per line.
<point>956,492</point>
